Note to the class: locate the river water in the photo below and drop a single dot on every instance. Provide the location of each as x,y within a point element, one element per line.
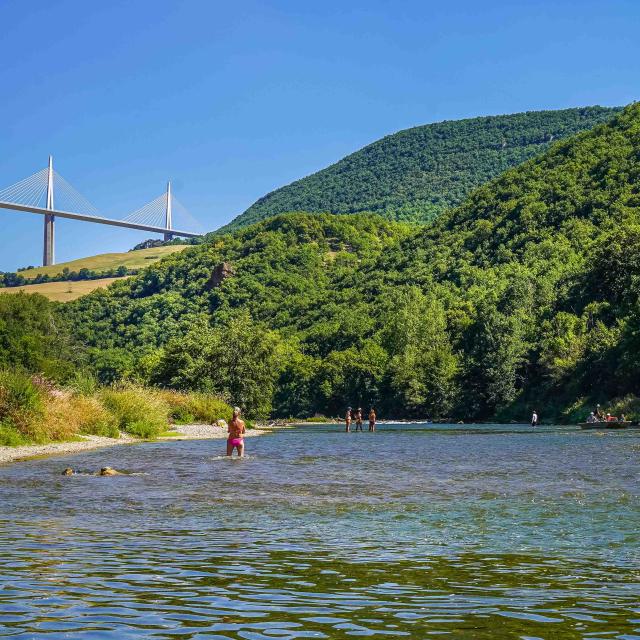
<point>415,531</point>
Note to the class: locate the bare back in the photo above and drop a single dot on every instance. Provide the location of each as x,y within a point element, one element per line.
<point>236,428</point>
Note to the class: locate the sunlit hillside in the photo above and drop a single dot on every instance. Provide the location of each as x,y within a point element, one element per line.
<point>107,261</point>
<point>63,291</point>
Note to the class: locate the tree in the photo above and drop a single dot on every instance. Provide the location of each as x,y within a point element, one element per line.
<point>351,377</point>
<point>422,369</point>
<point>238,359</point>
<point>34,338</point>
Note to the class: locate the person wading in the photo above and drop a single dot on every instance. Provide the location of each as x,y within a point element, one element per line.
<point>534,419</point>
<point>347,419</point>
<point>236,434</point>
<point>372,419</point>
<point>359,419</point>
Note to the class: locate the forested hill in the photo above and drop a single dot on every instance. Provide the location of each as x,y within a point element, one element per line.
<point>415,174</point>
<point>527,296</point>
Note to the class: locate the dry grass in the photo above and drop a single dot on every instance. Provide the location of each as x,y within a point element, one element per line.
<point>63,291</point>
<point>61,420</point>
<point>90,417</point>
<point>195,407</point>
<point>104,261</point>
<point>33,410</point>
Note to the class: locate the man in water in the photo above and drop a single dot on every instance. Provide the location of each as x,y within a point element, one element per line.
<point>534,419</point>
<point>372,419</point>
<point>347,419</point>
<point>359,419</point>
<point>236,434</point>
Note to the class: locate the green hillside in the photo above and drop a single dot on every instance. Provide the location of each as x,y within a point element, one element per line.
<point>106,262</point>
<point>416,174</point>
<point>528,294</point>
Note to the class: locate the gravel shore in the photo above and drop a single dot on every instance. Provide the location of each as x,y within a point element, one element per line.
<point>205,432</point>
<point>183,431</point>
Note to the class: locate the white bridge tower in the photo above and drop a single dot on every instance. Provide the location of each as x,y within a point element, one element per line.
<point>167,219</point>
<point>49,253</point>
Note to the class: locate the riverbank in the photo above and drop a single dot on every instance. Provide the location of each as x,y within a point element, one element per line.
<point>87,443</point>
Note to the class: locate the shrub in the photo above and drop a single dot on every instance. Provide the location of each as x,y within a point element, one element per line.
<point>59,421</point>
<point>179,411</point>
<point>21,405</point>
<point>207,408</point>
<point>81,415</point>
<point>84,383</point>
<point>140,412</point>
<point>195,407</point>
<point>9,437</point>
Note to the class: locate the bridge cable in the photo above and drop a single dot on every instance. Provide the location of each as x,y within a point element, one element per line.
<point>18,191</point>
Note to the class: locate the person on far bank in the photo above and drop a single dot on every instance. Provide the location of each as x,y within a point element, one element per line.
<point>534,419</point>
<point>347,419</point>
<point>236,434</point>
<point>359,419</point>
<point>372,419</point>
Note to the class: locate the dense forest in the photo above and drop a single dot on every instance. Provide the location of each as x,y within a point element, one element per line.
<point>526,296</point>
<point>414,175</point>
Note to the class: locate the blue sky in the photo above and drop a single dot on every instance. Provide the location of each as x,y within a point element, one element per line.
<point>234,99</point>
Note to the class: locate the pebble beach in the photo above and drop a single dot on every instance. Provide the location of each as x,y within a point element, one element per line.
<point>86,443</point>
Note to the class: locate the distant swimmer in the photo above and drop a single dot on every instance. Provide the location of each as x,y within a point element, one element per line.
<point>534,419</point>
<point>372,419</point>
<point>236,434</point>
<point>347,419</point>
<point>359,419</point>
<point>68,472</point>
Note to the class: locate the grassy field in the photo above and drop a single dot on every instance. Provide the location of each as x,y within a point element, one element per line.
<point>104,261</point>
<point>64,291</point>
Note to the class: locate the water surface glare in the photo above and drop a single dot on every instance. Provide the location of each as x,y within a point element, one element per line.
<point>414,531</point>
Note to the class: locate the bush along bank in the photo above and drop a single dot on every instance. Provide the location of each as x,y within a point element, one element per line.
<point>34,411</point>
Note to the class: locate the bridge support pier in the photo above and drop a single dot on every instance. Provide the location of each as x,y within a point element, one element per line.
<point>49,252</point>
<point>48,255</point>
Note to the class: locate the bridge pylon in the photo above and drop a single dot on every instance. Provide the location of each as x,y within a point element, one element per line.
<point>48,254</point>
<point>168,221</point>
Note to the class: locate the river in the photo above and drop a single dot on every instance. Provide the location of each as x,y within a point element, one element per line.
<point>415,531</point>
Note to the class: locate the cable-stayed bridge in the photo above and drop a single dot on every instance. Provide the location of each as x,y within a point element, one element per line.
<point>47,193</point>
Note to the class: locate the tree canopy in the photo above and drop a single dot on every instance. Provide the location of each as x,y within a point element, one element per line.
<point>416,174</point>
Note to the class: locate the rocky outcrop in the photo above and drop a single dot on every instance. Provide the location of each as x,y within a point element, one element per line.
<point>219,274</point>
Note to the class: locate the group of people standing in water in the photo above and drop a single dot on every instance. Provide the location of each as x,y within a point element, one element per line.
<point>355,417</point>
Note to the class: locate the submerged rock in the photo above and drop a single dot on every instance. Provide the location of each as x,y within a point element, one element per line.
<point>109,471</point>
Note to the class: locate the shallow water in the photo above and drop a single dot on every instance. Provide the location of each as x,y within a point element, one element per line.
<point>414,531</point>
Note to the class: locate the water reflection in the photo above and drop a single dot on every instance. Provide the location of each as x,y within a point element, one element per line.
<point>408,533</point>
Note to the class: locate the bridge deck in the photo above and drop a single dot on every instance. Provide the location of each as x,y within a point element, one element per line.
<point>98,220</point>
